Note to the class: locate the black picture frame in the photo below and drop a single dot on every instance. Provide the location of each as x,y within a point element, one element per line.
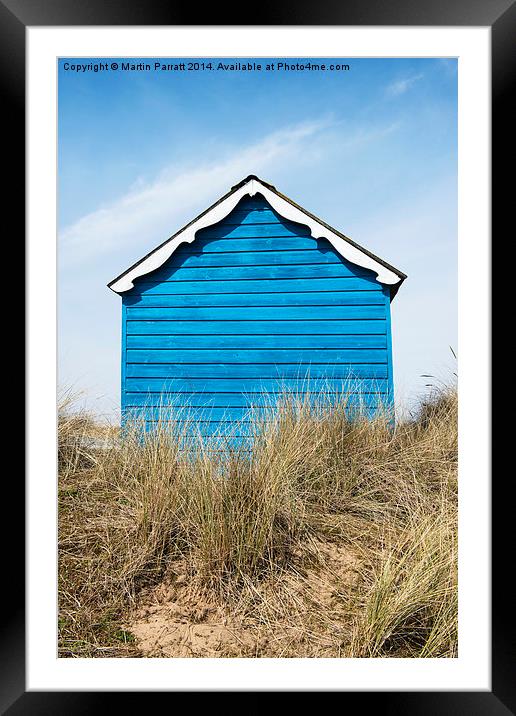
<point>500,15</point>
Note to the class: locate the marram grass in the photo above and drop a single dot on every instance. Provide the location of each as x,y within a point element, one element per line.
<point>264,534</point>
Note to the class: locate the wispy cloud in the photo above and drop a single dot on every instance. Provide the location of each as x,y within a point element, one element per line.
<point>399,87</point>
<point>149,211</point>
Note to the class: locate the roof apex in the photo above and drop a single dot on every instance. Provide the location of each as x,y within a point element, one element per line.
<point>248,178</point>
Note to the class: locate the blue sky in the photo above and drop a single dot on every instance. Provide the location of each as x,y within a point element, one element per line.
<point>372,151</point>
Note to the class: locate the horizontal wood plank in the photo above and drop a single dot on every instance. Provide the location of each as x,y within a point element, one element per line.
<point>261,258</point>
<point>256,215</point>
<point>315,341</point>
<point>235,413</point>
<point>240,400</point>
<point>274,288</point>
<point>344,298</point>
<point>329,356</point>
<point>270,327</point>
<point>306,298</point>
<point>248,380</point>
<point>266,285</point>
<point>226,230</point>
<point>230,429</point>
<point>241,273</point>
<point>236,313</point>
<point>256,244</point>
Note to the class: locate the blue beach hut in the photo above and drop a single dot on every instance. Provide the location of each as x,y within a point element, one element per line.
<point>254,297</point>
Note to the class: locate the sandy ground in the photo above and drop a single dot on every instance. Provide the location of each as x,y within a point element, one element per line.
<point>304,615</point>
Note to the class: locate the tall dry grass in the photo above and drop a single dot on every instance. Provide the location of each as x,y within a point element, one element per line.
<point>242,521</point>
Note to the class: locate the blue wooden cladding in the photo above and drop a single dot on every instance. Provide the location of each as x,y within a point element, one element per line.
<point>253,308</point>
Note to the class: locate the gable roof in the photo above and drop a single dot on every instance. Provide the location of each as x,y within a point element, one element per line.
<point>283,205</point>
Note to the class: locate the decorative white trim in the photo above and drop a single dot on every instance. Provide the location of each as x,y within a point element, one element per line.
<point>345,249</point>
<point>284,208</point>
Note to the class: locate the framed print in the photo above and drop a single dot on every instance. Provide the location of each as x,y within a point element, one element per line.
<point>190,189</point>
